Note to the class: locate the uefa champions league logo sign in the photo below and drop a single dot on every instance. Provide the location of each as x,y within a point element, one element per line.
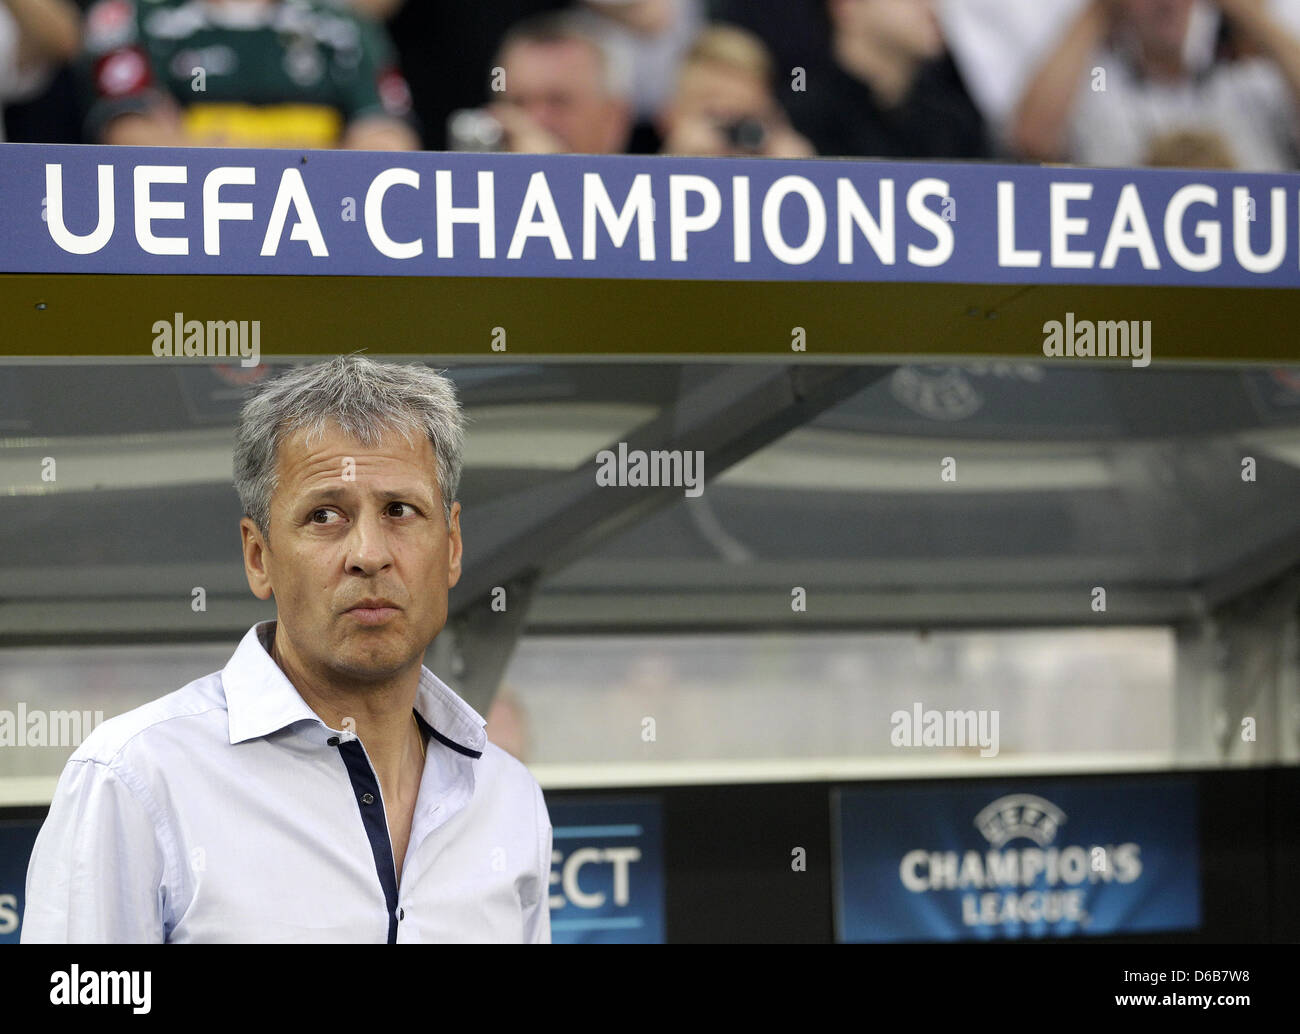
<point>949,392</point>
<point>943,393</point>
<point>1008,886</point>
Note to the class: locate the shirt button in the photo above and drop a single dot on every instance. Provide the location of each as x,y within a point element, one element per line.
<point>401,913</point>
<point>367,798</point>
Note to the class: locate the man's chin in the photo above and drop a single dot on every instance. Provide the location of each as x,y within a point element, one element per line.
<point>374,661</point>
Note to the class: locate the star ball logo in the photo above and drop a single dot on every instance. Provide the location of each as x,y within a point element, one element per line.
<point>1020,815</point>
<point>1007,885</point>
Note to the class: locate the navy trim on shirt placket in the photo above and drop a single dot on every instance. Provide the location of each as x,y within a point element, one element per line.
<point>372,817</point>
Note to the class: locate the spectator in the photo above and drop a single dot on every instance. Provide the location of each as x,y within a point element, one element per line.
<point>35,36</point>
<point>649,38</point>
<point>723,102</point>
<point>264,73</point>
<point>562,91</point>
<point>891,90</point>
<point>1119,79</point>
<point>997,45</point>
<point>447,49</point>
<point>796,34</point>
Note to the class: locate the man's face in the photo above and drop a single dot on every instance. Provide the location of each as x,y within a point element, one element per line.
<point>907,26</point>
<point>714,91</point>
<point>350,524</point>
<point>710,96</point>
<point>561,86</point>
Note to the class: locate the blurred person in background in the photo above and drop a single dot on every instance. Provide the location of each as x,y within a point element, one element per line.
<point>35,37</point>
<point>563,92</point>
<point>242,73</point>
<point>891,89</point>
<point>1120,77</point>
<point>723,103</point>
<point>508,725</point>
<point>447,49</point>
<point>650,39</point>
<point>797,35</point>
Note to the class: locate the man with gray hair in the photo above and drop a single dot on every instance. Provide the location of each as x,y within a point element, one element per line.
<point>325,785</point>
<point>562,93</point>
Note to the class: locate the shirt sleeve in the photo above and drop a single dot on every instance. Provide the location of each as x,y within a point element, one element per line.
<point>96,874</point>
<point>537,916</point>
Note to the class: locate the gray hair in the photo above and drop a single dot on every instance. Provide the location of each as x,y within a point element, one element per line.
<point>572,25</point>
<point>365,399</point>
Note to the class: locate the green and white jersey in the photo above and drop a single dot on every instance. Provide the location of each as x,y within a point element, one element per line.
<point>263,73</point>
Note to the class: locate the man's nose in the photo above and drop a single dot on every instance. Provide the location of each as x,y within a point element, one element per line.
<point>368,547</point>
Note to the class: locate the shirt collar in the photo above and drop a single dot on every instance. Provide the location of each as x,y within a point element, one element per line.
<point>260,700</point>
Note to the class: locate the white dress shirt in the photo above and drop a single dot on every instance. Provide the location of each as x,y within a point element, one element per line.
<point>229,812</point>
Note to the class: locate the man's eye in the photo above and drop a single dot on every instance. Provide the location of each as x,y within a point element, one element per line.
<point>407,506</point>
<point>321,513</point>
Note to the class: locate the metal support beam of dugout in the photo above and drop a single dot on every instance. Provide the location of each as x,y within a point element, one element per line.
<point>727,415</point>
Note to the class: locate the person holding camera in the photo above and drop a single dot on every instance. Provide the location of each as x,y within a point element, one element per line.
<point>1119,80</point>
<point>722,104</point>
<point>557,90</point>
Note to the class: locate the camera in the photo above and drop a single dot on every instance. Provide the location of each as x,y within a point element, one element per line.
<point>473,129</point>
<point>745,134</point>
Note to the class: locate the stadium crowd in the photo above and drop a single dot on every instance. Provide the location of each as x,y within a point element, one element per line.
<point>1195,83</point>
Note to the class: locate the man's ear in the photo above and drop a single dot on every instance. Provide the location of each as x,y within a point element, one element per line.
<point>453,546</point>
<point>255,550</point>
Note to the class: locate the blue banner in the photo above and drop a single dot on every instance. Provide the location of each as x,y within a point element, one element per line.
<point>17,837</point>
<point>607,875</point>
<point>1016,859</point>
<point>94,209</point>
